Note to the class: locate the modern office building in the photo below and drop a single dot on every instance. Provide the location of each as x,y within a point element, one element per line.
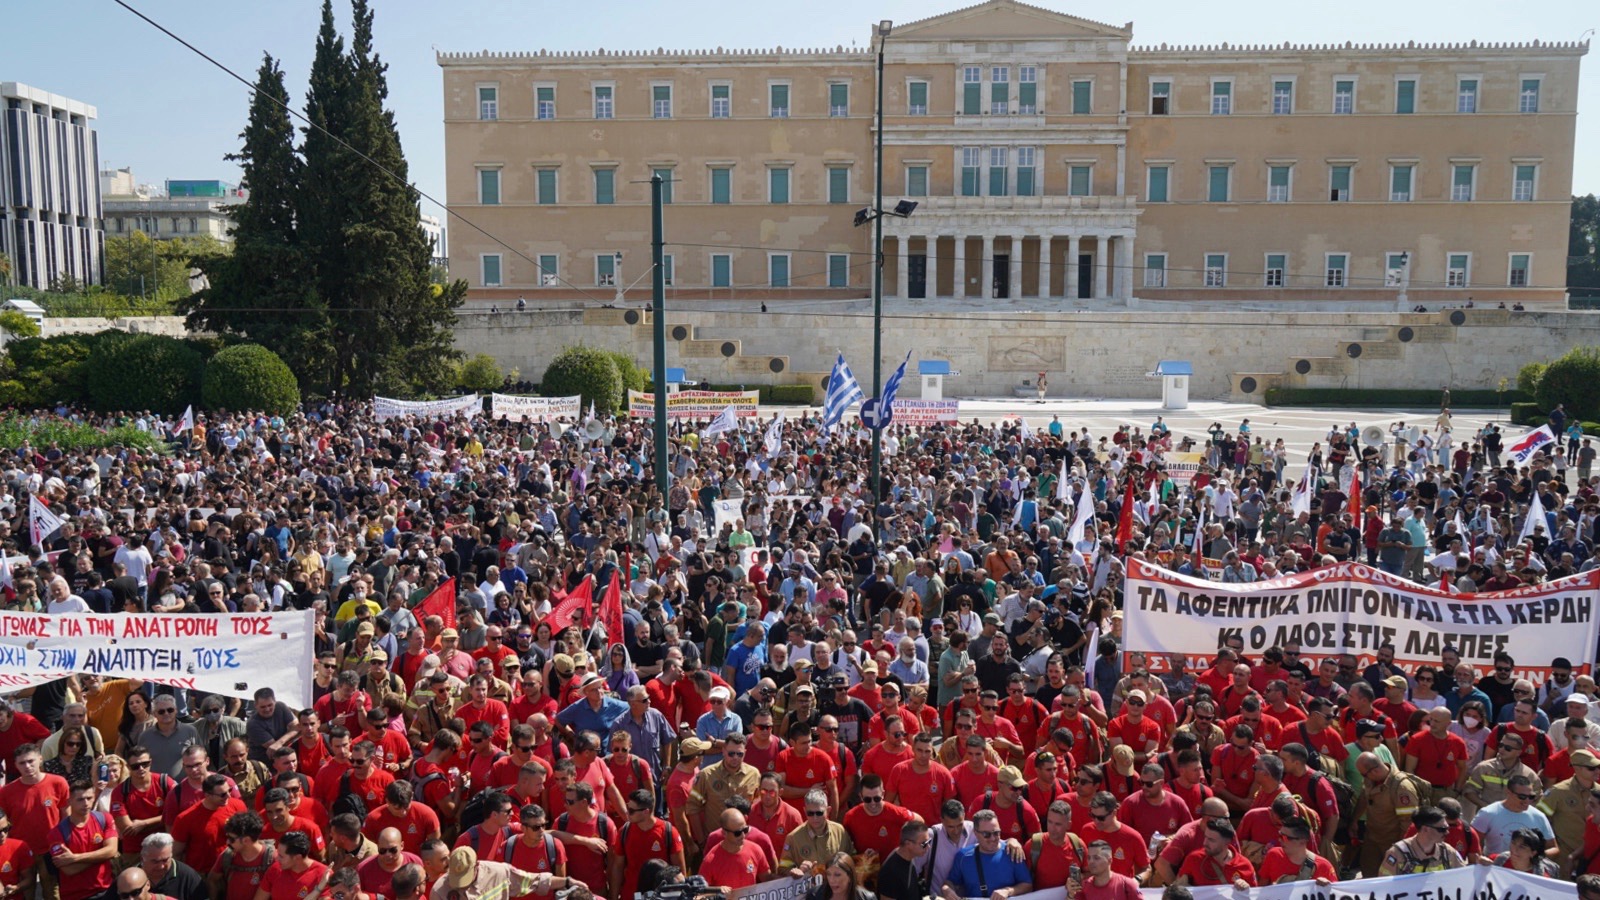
<point>1048,155</point>
<point>50,220</point>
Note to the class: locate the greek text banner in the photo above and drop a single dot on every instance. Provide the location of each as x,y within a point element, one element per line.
<point>1357,609</point>
<point>695,404</point>
<point>232,654</point>
<point>536,409</point>
<point>926,412</point>
<point>385,408</point>
<point>1469,881</point>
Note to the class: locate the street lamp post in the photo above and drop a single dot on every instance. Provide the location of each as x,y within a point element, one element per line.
<point>876,472</point>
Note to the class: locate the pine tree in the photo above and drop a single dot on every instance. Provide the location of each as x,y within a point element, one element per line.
<point>262,290</point>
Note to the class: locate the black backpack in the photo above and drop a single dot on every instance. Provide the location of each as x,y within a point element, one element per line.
<point>602,825</point>
<point>348,801</point>
<point>473,811</point>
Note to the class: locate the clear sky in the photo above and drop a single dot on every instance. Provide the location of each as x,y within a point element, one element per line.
<point>169,114</point>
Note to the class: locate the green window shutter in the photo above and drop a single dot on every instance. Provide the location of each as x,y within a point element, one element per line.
<point>719,92</point>
<point>1000,91</point>
<point>547,95</point>
<point>666,268</point>
<point>1402,180</point>
<point>548,268</point>
<point>1222,89</point>
<point>1025,181</point>
<point>838,185</point>
<point>1082,98</point>
<point>1080,181</point>
<point>489,186</point>
<point>838,270</point>
<point>1275,260</point>
<point>1405,98</point>
<point>720,187</point>
<point>917,181</point>
<point>721,270</point>
<point>547,186</point>
<point>1279,176</point>
<point>919,95</point>
<point>605,185</point>
<point>1028,95</point>
<point>779,275</point>
<point>969,181</point>
<point>1341,178</point>
<point>605,267</point>
<point>666,183</point>
<point>997,181</point>
<point>778,180</point>
<point>838,99</point>
<point>1219,184</point>
<point>491,270</point>
<point>1463,176</point>
<point>780,99</point>
<point>971,98</point>
<point>1158,184</point>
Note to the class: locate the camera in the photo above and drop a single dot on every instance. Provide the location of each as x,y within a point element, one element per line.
<point>687,889</point>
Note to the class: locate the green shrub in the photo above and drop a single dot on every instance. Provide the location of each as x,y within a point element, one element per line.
<point>1525,413</point>
<point>16,430</point>
<point>54,369</point>
<point>634,376</point>
<point>1572,380</point>
<point>16,324</point>
<point>249,376</point>
<point>589,373</point>
<point>480,373</point>
<point>1528,377</point>
<point>145,371</point>
<point>1590,427</point>
<point>792,394</point>
<point>1423,398</point>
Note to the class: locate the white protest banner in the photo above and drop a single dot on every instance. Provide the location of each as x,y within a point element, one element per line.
<point>926,412</point>
<point>781,889</point>
<point>1468,881</point>
<point>1182,467</point>
<point>1355,609</point>
<point>695,404</point>
<point>228,654</point>
<point>385,408</point>
<point>536,409</point>
<point>726,512</point>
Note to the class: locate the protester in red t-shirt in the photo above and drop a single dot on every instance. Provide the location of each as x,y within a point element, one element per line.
<point>1134,729</point>
<point>734,862</point>
<point>295,876</point>
<point>1154,809</point>
<point>83,847</point>
<point>414,820</point>
<point>17,729</point>
<point>1216,862</point>
<point>197,833</point>
<point>34,801</point>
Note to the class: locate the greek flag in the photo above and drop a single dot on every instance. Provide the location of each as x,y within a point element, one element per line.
<point>892,386</point>
<point>843,390</point>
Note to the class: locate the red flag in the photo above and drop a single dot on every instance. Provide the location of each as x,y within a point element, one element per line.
<point>1125,518</point>
<point>441,602</point>
<point>611,610</point>
<point>566,610</point>
<point>1358,509</point>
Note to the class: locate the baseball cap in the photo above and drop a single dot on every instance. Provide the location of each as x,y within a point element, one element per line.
<point>463,868</point>
<point>692,747</point>
<point>1398,681</point>
<point>1012,776</point>
<point>366,628</point>
<point>1584,758</point>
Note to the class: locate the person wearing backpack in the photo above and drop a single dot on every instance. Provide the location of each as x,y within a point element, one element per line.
<point>136,803</point>
<point>83,846</point>
<point>1056,851</point>
<point>1387,801</point>
<point>535,849</point>
<point>587,834</point>
<point>1331,797</point>
<point>487,837</point>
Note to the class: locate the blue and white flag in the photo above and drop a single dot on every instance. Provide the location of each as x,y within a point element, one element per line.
<point>843,390</point>
<point>892,387</point>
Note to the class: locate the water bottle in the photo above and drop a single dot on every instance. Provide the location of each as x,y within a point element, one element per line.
<point>105,772</point>
<point>1155,843</point>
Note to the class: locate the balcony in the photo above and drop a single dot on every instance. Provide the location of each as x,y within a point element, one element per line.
<point>927,205</point>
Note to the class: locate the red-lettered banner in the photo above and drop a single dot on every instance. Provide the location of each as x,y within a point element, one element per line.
<point>1356,609</point>
<point>695,404</point>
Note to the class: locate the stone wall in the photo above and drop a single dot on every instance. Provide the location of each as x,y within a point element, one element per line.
<point>1087,355</point>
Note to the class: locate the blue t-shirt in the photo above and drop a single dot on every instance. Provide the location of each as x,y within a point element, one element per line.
<point>746,662</point>
<point>998,872</point>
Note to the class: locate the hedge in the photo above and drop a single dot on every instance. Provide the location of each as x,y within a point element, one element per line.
<point>633,375</point>
<point>590,374</point>
<point>773,394</point>
<point>249,376</point>
<point>1526,414</point>
<point>145,371</point>
<point>1571,380</point>
<point>1402,397</point>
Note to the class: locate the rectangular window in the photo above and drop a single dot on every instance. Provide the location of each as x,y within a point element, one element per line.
<point>667,269</point>
<point>916,181</point>
<point>1344,97</point>
<point>1080,181</point>
<point>1528,99</point>
<point>1155,270</point>
<point>1467,95</point>
<point>999,90</point>
<point>1160,97</point>
<point>917,98</point>
<point>1519,270</point>
<point>489,187</point>
<point>1156,184</point>
<point>666,183</point>
<point>998,165</point>
<point>971,90</point>
<point>1222,98</point>
<point>1028,90</point>
<point>661,101</point>
<point>491,269</point>
<point>1458,270</point>
<point>1522,183</point>
<point>545,102</point>
<point>1276,263</point>
<point>971,167</point>
<point>1339,184</point>
<point>1394,269</point>
<point>1277,184</point>
<point>604,106</point>
<point>1335,275</point>
<point>721,270</point>
<point>838,184</point>
<point>1026,171</point>
<point>546,181</point>
<point>778,101</point>
<point>721,185</point>
<point>1400,184</point>
<point>1216,269</point>
<point>549,270</point>
<point>1282,98</point>
<point>838,99</point>
<point>778,185</point>
<point>488,103</point>
<point>838,270</point>
<point>778,270</point>
<point>1405,96</point>
<point>1218,192</point>
<point>1461,179</point>
<point>1082,98</point>
<point>605,186</point>
<point>721,101</point>
<point>605,270</point>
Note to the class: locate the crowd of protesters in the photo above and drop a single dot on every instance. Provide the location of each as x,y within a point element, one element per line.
<point>919,691</point>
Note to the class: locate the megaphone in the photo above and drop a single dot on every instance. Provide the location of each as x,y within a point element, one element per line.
<point>594,430</point>
<point>1372,436</point>
<point>556,428</point>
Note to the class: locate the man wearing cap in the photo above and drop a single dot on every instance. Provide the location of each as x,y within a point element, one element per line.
<point>471,878</point>
<point>1566,804</point>
<point>1017,818</point>
<point>716,724</point>
<point>1426,850</point>
<point>593,711</point>
<point>1577,710</point>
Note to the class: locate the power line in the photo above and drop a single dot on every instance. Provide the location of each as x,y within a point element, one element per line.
<point>346,145</point>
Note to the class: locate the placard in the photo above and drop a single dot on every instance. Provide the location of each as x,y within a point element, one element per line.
<point>535,409</point>
<point>926,412</point>
<point>695,404</point>
<point>385,408</point>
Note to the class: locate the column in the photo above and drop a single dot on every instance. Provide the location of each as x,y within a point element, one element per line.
<point>959,273</point>
<point>1125,268</point>
<point>1102,261</point>
<point>902,275</point>
<point>1015,280</point>
<point>986,279</point>
<point>1071,291</point>
<point>932,273</point>
<point>1044,266</point>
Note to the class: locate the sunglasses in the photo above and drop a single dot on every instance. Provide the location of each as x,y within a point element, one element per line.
<point>815,814</point>
<point>389,851</point>
<point>871,799</point>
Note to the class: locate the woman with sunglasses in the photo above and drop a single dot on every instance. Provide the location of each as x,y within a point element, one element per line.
<point>73,761</point>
